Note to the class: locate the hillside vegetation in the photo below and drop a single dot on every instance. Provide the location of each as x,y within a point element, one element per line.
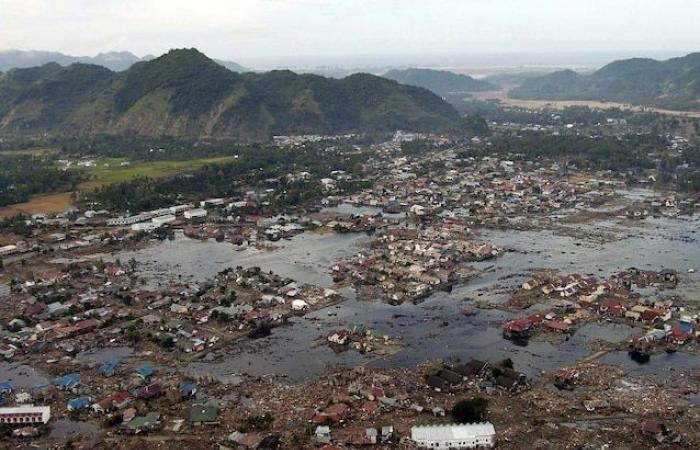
<point>672,84</point>
<point>184,93</point>
<point>439,81</point>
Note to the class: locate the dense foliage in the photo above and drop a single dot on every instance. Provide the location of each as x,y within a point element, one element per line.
<point>674,83</point>
<point>24,176</point>
<point>254,166</point>
<point>185,93</point>
<point>439,81</point>
<point>604,152</point>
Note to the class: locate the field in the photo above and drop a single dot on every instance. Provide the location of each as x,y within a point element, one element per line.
<point>111,170</point>
<point>503,98</point>
<point>106,171</point>
<point>50,203</point>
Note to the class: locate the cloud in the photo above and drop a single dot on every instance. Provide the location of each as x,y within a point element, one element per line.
<point>271,28</point>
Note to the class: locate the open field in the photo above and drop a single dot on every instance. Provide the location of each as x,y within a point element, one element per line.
<point>50,203</point>
<point>110,170</point>
<point>503,98</point>
<point>107,171</point>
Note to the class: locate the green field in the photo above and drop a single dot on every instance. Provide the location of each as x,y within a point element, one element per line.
<point>110,170</point>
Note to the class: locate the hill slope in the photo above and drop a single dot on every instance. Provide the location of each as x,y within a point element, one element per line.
<point>439,81</point>
<point>185,93</point>
<point>116,61</point>
<point>673,84</point>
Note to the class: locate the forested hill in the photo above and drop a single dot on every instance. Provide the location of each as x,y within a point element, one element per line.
<point>439,81</point>
<point>673,84</point>
<point>185,93</point>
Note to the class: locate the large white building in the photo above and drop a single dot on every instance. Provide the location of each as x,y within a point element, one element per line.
<point>454,436</point>
<point>195,213</point>
<point>25,414</point>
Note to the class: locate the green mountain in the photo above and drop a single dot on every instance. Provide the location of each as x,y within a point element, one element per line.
<point>674,83</point>
<point>439,81</point>
<point>185,93</point>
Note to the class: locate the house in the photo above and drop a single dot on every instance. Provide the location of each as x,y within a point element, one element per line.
<point>558,325</point>
<point>677,336</point>
<point>333,414</point>
<point>188,389</point>
<point>118,400</point>
<point>145,371</point>
<point>143,423</point>
<point>109,367</point>
<point>5,387</point>
<point>339,337</point>
<point>454,436</point>
<point>76,404</point>
<point>152,390</point>
<point>323,434</point>
<point>25,415</point>
<point>195,213</point>
<point>68,382</point>
<point>299,305</point>
<point>204,415</point>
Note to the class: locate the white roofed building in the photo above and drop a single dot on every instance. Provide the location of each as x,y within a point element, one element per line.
<point>25,415</point>
<point>454,436</point>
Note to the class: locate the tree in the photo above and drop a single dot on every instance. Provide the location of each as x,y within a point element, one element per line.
<point>472,410</point>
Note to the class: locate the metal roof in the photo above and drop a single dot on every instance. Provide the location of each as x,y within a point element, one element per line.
<point>451,431</point>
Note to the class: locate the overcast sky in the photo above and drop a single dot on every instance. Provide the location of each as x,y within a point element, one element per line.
<point>261,31</point>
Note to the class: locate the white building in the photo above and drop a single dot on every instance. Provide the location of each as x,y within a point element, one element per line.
<point>121,221</point>
<point>162,220</point>
<point>454,436</point>
<point>25,415</point>
<point>195,213</point>
<point>8,250</point>
<point>144,226</point>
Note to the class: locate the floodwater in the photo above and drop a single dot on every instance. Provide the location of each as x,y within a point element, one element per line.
<point>65,428</point>
<point>660,364</point>
<point>305,257</point>
<point>435,328</point>
<point>21,376</point>
<point>102,355</point>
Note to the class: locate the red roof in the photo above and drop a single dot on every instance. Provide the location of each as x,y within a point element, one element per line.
<point>558,325</point>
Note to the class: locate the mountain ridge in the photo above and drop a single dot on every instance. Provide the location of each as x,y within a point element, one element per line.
<point>116,61</point>
<point>183,92</point>
<point>441,82</point>
<point>672,84</point>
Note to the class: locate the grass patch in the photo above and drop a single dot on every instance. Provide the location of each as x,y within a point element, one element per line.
<point>111,170</point>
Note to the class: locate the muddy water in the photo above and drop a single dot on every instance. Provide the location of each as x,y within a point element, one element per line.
<point>21,376</point>
<point>306,257</point>
<point>435,328</point>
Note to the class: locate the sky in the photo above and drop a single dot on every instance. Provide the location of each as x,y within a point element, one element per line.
<point>269,32</point>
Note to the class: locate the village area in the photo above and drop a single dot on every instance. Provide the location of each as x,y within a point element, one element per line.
<point>462,299</point>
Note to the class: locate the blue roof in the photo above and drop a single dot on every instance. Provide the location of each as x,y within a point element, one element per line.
<point>188,388</point>
<point>40,388</point>
<point>68,381</point>
<point>145,370</point>
<point>79,403</point>
<point>5,386</point>
<point>108,367</point>
<point>685,326</point>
